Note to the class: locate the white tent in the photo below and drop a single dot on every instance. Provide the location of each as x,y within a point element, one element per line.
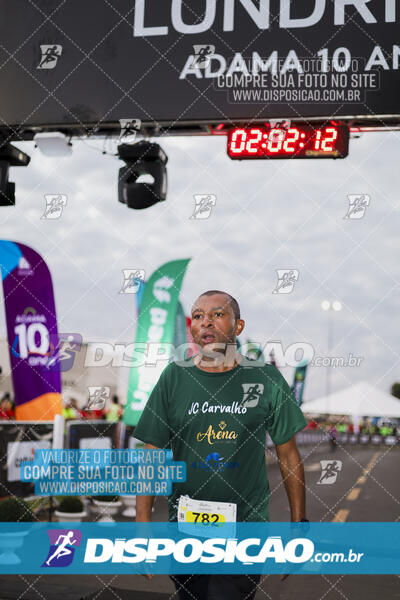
<point>360,399</point>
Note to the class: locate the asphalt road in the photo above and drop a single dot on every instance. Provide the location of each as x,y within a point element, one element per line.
<point>367,488</point>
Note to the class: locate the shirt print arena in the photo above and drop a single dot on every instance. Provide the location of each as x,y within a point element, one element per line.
<point>196,414</point>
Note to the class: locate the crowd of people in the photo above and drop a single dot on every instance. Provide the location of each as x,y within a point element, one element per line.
<point>71,410</point>
<point>7,407</point>
<point>111,413</point>
<point>114,410</point>
<point>367,425</point>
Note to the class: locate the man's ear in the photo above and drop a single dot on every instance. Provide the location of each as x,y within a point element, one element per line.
<point>239,326</point>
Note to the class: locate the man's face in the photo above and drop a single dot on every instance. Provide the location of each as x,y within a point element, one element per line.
<point>213,321</point>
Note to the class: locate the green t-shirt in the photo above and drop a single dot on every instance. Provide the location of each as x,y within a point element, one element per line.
<point>217,424</point>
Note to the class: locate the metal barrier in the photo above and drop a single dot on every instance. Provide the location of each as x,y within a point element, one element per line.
<point>96,434</point>
<point>315,437</point>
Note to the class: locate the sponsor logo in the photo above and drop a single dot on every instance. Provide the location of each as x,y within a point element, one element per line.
<point>31,341</point>
<point>215,462</point>
<point>251,394</point>
<point>20,452</point>
<point>61,551</point>
<point>263,16</point>
<point>24,267</point>
<point>222,435</point>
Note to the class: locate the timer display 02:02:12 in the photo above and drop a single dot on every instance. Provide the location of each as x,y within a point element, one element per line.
<point>331,141</point>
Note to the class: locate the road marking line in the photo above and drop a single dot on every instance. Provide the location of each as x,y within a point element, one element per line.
<point>312,467</point>
<point>373,460</point>
<point>371,463</point>
<point>341,515</point>
<point>353,494</point>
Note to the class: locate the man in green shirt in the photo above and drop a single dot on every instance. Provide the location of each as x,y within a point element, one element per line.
<point>213,411</point>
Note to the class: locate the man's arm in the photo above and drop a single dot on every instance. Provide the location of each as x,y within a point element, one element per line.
<point>293,477</point>
<point>144,504</point>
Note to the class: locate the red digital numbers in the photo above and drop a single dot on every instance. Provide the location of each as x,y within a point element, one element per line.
<point>324,139</point>
<point>292,137</point>
<point>237,141</point>
<point>254,140</point>
<point>297,142</point>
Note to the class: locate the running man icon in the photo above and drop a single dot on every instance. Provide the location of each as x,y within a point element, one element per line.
<point>253,392</point>
<point>50,55</point>
<point>62,549</point>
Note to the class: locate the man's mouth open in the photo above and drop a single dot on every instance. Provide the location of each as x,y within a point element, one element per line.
<point>208,338</point>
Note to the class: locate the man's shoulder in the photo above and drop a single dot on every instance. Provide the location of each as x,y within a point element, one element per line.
<point>180,363</point>
<point>174,367</point>
<point>266,372</point>
<point>168,370</point>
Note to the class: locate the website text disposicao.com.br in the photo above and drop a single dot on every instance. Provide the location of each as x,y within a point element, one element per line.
<point>213,551</point>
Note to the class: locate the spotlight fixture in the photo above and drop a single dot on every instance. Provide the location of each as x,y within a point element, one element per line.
<point>10,156</point>
<point>53,143</point>
<point>143,158</point>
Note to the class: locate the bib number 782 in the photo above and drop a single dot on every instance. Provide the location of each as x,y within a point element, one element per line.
<point>204,517</point>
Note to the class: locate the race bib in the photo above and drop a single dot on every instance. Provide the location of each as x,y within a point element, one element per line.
<point>206,512</point>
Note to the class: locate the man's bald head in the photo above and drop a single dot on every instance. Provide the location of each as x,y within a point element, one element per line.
<point>230,300</point>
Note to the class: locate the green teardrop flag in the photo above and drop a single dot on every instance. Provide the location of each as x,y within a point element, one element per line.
<point>156,323</point>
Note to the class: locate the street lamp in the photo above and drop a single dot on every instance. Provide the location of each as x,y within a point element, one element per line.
<point>330,306</point>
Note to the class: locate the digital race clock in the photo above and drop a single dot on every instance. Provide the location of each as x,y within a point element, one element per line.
<point>300,141</point>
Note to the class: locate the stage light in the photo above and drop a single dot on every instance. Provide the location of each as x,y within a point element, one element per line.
<point>53,143</point>
<point>143,158</point>
<point>325,304</point>
<point>10,156</point>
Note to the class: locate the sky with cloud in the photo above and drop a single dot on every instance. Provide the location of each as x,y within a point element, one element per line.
<point>269,215</point>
